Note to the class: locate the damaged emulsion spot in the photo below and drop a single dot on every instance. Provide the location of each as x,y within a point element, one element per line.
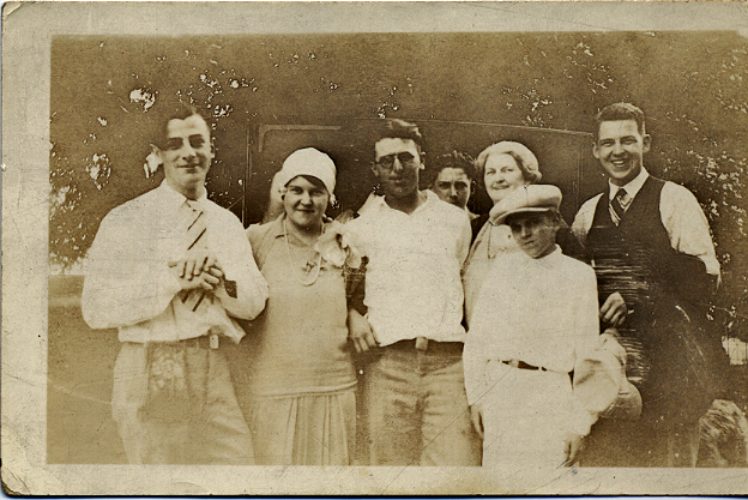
<point>144,96</point>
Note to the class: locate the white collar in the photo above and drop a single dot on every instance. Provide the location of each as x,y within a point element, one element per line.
<point>171,198</point>
<point>632,187</point>
<point>380,202</point>
<point>545,262</point>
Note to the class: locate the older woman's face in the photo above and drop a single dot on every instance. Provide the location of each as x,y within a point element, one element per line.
<point>501,175</point>
<point>305,203</point>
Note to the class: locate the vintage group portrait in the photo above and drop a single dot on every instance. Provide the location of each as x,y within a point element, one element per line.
<point>375,248</point>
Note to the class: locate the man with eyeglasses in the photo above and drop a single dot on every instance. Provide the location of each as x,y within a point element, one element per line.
<point>414,396</point>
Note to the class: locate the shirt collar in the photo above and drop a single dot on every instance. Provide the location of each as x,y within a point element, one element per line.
<point>174,199</point>
<point>430,198</point>
<point>545,262</point>
<point>632,187</point>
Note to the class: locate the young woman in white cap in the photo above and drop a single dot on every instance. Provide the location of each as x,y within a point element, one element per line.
<point>299,391</point>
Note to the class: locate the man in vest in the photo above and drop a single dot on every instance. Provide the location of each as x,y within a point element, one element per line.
<point>649,242</point>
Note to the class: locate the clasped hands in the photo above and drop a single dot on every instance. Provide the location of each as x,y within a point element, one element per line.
<point>198,269</point>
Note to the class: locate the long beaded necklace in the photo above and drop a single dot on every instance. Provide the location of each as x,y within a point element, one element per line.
<point>309,267</point>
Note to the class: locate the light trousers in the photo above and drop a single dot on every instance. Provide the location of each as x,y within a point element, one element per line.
<point>215,431</point>
<point>526,417</point>
<point>417,411</point>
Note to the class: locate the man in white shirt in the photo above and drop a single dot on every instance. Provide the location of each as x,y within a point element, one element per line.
<point>414,396</point>
<point>171,270</point>
<point>534,321</point>
<point>649,242</point>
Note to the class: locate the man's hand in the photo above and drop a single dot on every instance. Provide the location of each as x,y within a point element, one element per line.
<point>360,332</point>
<point>195,263</point>
<point>476,417</point>
<point>198,270</point>
<point>614,310</point>
<point>573,443</point>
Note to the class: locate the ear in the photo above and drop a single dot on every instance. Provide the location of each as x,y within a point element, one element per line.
<point>374,170</point>
<point>595,151</point>
<point>646,142</point>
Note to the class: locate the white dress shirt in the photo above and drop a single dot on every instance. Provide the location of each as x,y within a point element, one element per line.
<point>413,285</point>
<point>129,285</point>
<point>680,213</point>
<point>541,311</point>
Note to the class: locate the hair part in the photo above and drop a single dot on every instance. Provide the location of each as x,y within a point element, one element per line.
<point>620,111</point>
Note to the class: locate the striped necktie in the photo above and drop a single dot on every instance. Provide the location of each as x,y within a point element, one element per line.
<point>195,239</point>
<point>618,205</point>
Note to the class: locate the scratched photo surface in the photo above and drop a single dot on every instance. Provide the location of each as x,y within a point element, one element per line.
<point>86,107</point>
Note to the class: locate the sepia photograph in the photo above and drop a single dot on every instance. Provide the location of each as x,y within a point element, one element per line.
<point>375,248</point>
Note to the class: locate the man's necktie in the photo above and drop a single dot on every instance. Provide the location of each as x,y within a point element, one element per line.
<point>618,206</point>
<point>196,239</point>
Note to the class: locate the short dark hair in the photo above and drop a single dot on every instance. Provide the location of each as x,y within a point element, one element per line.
<point>172,109</point>
<point>620,111</point>
<point>399,129</point>
<point>454,159</point>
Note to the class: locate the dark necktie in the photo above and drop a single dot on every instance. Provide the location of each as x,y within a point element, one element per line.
<point>196,238</point>
<point>618,206</point>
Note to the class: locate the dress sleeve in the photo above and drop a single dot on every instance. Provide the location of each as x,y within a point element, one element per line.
<point>124,282</point>
<point>583,220</point>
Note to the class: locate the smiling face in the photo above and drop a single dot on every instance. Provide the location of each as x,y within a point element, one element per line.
<point>187,155</point>
<point>620,149</point>
<point>305,203</point>
<point>396,165</point>
<point>534,232</point>
<point>501,176</point>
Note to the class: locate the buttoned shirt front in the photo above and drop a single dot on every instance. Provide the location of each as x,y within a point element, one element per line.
<point>680,213</point>
<point>413,285</point>
<point>540,311</point>
<point>130,285</point>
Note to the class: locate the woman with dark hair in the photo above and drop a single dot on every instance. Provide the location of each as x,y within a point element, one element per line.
<point>300,393</point>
